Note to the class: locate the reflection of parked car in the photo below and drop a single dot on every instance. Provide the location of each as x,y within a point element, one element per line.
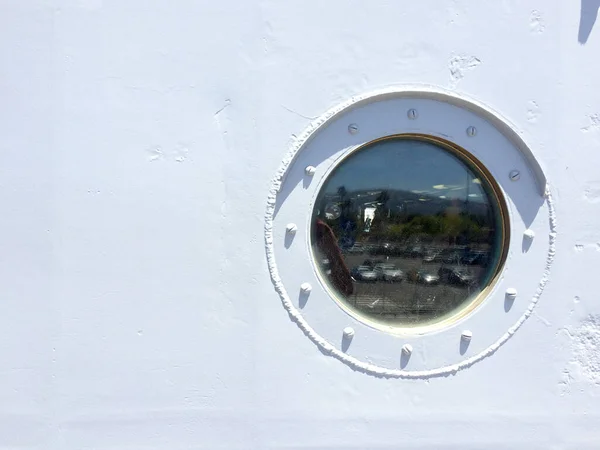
<point>372,249</point>
<point>475,258</point>
<point>387,248</point>
<point>389,272</point>
<point>372,262</point>
<point>356,248</point>
<point>456,275</point>
<point>423,276</point>
<point>415,251</point>
<point>364,273</point>
<point>453,257</point>
<point>427,277</point>
<point>431,256</point>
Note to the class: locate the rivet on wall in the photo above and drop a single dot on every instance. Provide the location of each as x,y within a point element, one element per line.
<point>306,287</point>
<point>348,333</point>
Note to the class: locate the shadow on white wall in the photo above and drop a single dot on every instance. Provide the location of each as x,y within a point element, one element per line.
<point>587,19</point>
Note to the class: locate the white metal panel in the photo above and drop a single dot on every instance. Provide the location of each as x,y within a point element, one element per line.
<point>137,144</point>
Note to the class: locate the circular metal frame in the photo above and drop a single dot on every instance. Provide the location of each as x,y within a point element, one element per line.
<point>470,305</point>
<point>441,116</point>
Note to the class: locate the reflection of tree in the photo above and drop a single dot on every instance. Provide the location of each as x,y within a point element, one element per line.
<point>450,227</point>
<point>394,221</point>
<point>383,198</point>
<point>453,226</point>
<point>345,203</point>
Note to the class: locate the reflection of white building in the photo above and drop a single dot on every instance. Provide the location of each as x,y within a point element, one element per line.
<point>369,215</point>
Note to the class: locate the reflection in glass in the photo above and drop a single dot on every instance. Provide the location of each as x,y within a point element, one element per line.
<point>407,231</point>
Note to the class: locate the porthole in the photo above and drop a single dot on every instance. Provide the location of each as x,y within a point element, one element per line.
<point>410,232</point>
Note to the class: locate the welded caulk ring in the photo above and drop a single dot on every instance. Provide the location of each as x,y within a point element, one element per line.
<point>394,93</point>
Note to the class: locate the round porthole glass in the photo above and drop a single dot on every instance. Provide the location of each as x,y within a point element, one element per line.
<point>409,231</point>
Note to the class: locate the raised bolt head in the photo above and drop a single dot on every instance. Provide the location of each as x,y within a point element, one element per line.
<point>529,234</point>
<point>471,131</point>
<point>511,293</point>
<point>412,114</point>
<point>407,349</point>
<point>352,128</point>
<point>348,333</point>
<point>466,335</point>
<point>310,170</point>
<point>514,175</point>
<point>291,228</point>
<point>305,287</point>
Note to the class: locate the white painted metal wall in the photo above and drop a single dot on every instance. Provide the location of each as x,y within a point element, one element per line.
<point>138,140</point>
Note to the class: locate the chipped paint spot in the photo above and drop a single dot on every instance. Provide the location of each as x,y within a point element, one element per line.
<point>155,153</point>
<point>594,123</point>
<point>180,153</point>
<point>586,348</point>
<point>533,111</point>
<point>565,382</point>
<point>536,22</point>
<point>591,192</point>
<point>459,64</point>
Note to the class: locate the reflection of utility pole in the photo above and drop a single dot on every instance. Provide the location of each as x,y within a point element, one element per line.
<point>406,204</point>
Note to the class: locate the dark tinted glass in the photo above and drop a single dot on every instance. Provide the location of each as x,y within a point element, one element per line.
<point>407,231</point>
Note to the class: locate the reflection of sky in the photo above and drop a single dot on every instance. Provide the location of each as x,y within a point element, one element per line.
<point>409,165</point>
